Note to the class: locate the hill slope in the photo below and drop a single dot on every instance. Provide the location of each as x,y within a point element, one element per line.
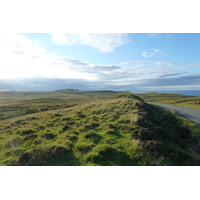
<point>186,101</point>
<point>16,96</point>
<point>122,130</point>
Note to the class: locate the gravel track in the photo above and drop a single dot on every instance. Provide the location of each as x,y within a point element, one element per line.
<point>191,114</point>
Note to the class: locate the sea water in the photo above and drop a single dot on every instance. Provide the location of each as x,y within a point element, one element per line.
<point>185,92</point>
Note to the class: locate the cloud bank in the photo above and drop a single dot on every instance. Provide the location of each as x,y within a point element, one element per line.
<point>25,65</point>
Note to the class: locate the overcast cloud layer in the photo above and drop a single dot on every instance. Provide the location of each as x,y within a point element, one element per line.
<point>25,65</point>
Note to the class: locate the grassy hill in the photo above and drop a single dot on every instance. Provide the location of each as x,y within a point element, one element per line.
<point>95,128</point>
<point>14,96</point>
<point>186,101</point>
<point>66,94</point>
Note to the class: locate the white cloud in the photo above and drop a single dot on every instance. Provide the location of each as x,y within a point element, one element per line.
<point>25,62</point>
<point>148,55</point>
<point>133,62</point>
<point>19,44</point>
<point>65,38</point>
<point>24,58</point>
<point>104,42</point>
<point>145,62</point>
<point>153,35</point>
<point>159,63</point>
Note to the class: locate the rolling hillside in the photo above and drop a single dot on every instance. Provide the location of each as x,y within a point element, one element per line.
<point>15,96</point>
<point>186,101</point>
<point>99,128</point>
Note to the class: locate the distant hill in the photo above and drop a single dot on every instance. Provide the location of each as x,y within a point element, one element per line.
<point>14,96</point>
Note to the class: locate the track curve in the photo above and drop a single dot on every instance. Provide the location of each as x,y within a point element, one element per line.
<point>191,114</point>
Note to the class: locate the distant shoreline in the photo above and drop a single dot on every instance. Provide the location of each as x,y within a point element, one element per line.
<point>183,92</point>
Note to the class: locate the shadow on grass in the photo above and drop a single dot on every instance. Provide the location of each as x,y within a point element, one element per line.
<point>55,156</point>
<point>109,156</point>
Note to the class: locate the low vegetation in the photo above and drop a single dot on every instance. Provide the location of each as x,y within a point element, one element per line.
<point>173,99</point>
<point>14,96</point>
<point>116,129</point>
<point>11,110</point>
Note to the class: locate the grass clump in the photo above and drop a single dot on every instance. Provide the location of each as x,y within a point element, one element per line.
<point>13,141</point>
<point>92,136</point>
<point>107,155</point>
<point>84,146</point>
<point>26,131</point>
<point>49,136</point>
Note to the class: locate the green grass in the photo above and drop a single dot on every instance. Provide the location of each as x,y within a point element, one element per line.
<point>25,107</point>
<point>14,97</point>
<point>117,130</point>
<point>186,101</point>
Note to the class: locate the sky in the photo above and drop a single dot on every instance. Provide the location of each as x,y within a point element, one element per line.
<point>136,62</point>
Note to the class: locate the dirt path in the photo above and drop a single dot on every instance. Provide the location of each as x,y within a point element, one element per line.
<point>192,114</point>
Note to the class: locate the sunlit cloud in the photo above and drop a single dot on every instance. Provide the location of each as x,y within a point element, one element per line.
<point>133,62</point>
<point>164,63</point>
<point>104,42</point>
<point>148,55</point>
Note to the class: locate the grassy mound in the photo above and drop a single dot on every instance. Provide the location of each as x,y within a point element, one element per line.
<point>120,131</point>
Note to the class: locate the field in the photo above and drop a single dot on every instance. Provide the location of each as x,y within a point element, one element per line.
<point>97,128</point>
<point>173,99</point>
<point>12,97</point>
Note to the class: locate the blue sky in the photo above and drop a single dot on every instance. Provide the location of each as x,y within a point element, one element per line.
<point>112,61</point>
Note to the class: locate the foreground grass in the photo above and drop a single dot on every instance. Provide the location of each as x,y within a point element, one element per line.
<point>120,131</point>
